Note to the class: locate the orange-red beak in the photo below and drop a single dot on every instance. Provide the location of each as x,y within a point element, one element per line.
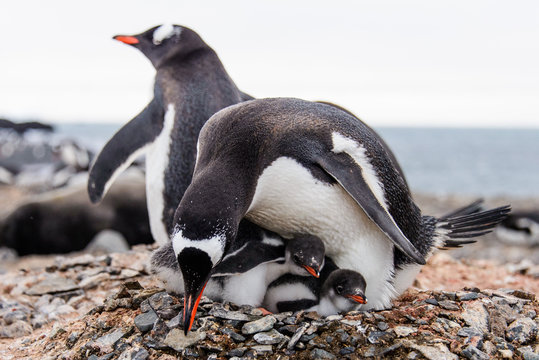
<point>312,271</point>
<point>190,310</point>
<point>129,40</point>
<point>357,298</point>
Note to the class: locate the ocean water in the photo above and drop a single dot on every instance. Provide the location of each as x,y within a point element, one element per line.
<point>478,162</point>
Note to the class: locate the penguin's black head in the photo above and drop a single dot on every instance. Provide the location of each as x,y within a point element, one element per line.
<point>307,253</point>
<point>162,43</point>
<point>196,267</point>
<point>346,289</point>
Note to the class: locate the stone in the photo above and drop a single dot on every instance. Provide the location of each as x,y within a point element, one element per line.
<point>476,316</point>
<point>347,350</point>
<point>93,281</point>
<point>334,317</point>
<point>145,321</point>
<point>63,263</point>
<point>295,338</point>
<point>383,326</point>
<point>106,342</point>
<point>52,285</point>
<point>233,335</point>
<point>16,329</point>
<point>317,354</point>
<point>448,305</point>
<point>433,352</point>
<point>264,324</point>
<point>222,313</point>
<point>160,301</point>
<point>376,337</point>
<point>106,242</point>
<point>467,296</point>
<point>236,352</point>
<point>523,331</point>
<point>432,301</point>
<point>262,349</point>
<point>506,354</point>
<point>176,339</point>
<point>473,353</point>
<point>269,337</point>
<point>403,331</point>
<point>522,294</point>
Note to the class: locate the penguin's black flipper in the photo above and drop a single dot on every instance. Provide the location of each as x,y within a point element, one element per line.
<point>349,175</point>
<point>123,148</point>
<point>296,305</point>
<point>250,255</point>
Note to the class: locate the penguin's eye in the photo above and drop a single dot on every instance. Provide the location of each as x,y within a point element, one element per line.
<point>339,289</point>
<point>296,259</point>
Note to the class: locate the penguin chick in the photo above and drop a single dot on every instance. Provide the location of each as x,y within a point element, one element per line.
<point>338,290</point>
<point>244,274</point>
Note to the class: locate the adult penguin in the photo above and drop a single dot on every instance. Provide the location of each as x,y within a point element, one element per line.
<point>191,84</point>
<point>294,166</point>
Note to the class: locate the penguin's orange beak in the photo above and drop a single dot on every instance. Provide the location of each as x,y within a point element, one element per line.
<point>129,40</point>
<point>357,298</point>
<point>312,271</point>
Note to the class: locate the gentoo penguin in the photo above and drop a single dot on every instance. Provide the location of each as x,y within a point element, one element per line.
<point>294,166</point>
<point>244,273</point>
<point>520,228</point>
<point>337,290</point>
<point>191,84</point>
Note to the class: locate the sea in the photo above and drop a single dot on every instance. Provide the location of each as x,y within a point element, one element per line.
<point>439,161</point>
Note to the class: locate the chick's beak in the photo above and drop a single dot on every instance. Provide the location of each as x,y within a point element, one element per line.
<point>312,271</point>
<point>360,299</point>
<point>126,39</point>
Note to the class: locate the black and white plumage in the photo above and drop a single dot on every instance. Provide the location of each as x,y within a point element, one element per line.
<point>244,273</point>
<point>337,290</point>
<point>191,84</point>
<point>520,228</point>
<point>307,168</point>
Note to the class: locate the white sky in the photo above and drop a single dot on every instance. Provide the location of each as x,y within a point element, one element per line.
<point>404,63</point>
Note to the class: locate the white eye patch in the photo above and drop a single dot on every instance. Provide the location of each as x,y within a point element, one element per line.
<point>164,32</point>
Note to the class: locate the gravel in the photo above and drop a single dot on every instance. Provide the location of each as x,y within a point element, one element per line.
<point>135,319</point>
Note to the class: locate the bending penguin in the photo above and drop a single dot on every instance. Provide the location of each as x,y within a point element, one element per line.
<point>337,290</point>
<point>305,167</point>
<point>242,277</point>
<point>191,84</point>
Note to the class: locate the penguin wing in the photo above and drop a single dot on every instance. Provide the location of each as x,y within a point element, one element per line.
<point>245,97</point>
<point>131,141</point>
<point>349,175</point>
<point>295,305</point>
<point>247,257</point>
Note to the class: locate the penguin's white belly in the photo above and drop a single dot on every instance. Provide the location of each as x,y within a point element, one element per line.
<point>289,200</point>
<point>156,164</point>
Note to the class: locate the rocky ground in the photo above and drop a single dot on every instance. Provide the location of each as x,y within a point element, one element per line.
<point>109,307</point>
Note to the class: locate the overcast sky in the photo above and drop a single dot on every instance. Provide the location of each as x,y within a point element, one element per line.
<point>404,63</point>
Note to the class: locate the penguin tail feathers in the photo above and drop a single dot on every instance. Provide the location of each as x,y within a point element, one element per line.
<point>461,226</point>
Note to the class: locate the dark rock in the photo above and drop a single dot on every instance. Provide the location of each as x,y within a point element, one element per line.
<point>288,329</point>
<point>383,326</point>
<point>467,296</point>
<point>269,337</point>
<point>233,335</point>
<point>522,294</point>
<point>432,301</point>
<point>347,350</point>
<point>376,337</point>
<point>297,335</point>
<point>473,353</point>
<point>307,338</point>
<point>317,354</point>
<point>160,301</point>
<point>523,331</point>
<point>145,322</point>
<point>449,305</point>
<point>236,352</point>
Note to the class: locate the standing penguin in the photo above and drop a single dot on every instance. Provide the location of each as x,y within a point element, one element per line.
<point>191,84</point>
<point>294,166</point>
